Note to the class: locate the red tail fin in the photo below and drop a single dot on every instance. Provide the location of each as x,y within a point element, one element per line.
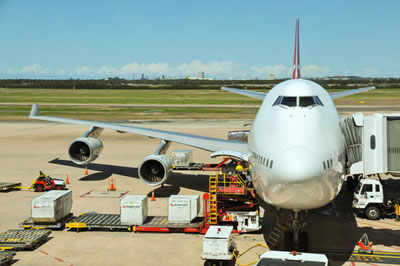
<point>296,61</point>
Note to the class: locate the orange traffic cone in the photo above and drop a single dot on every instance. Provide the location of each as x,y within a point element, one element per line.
<point>112,188</point>
<point>86,172</point>
<point>67,181</point>
<point>153,198</point>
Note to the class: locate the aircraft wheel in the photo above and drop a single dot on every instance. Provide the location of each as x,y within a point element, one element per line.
<point>304,242</point>
<point>288,241</point>
<point>39,188</point>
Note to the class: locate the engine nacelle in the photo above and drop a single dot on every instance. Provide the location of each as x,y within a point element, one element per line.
<point>155,169</point>
<point>85,150</point>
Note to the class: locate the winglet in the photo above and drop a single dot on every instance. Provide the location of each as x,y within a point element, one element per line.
<point>296,60</point>
<point>34,110</point>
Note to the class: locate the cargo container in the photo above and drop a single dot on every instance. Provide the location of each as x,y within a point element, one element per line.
<point>52,206</point>
<point>181,157</point>
<point>133,209</point>
<point>183,208</point>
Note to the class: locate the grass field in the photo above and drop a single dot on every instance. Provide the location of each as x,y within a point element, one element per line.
<point>123,105</point>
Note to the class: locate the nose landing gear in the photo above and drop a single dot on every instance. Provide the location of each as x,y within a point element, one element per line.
<point>296,237</point>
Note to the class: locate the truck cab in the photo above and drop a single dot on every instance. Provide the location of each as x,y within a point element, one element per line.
<point>369,199</point>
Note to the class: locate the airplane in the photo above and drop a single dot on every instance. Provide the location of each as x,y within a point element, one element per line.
<point>295,146</point>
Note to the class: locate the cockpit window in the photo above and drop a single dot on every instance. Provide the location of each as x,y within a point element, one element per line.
<point>289,101</point>
<point>303,101</point>
<point>307,101</point>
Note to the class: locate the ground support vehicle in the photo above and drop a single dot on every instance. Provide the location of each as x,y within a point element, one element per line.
<point>59,225</point>
<point>24,239</point>
<point>283,258</point>
<point>233,202</point>
<point>7,186</point>
<point>218,246</point>
<point>369,199</point>
<point>48,183</point>
<point>6,256</point>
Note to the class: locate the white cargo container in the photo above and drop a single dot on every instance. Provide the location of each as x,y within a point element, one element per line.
<point>181,157</point>
<point>52,206</point>
<point>218,243</point>
<point>134,209</point>
<point>183,208</point>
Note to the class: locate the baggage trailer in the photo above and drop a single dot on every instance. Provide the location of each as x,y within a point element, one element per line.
<point>7,186</point>
<point>6,256</point>
<point>59,225</point>
<point>112,222</point>
<point>23,239</point>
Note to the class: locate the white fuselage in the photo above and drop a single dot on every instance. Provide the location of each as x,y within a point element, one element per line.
<point>298,150</point>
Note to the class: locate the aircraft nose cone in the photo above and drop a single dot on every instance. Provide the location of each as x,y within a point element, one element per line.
<point>297,165</point>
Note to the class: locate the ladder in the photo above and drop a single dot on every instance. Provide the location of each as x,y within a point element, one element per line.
<point>276,234</point>
<point>213,199</point>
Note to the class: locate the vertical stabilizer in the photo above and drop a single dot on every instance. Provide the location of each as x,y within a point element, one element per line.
<point>296,61</point>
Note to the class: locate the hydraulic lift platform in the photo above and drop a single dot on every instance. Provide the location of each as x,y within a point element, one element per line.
<point>23,239</point>
<point>7,186</point>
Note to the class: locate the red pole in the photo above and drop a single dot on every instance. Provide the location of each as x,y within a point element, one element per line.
<point>205,197</point>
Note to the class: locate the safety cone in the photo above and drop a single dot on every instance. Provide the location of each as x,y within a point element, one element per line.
<point>67,180</point>
<point>86,172</point>
<point>112,188</point>
<point>153,198</point>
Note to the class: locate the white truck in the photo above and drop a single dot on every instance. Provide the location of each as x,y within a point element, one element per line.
<point>284,258</point>
<point>369,199</point>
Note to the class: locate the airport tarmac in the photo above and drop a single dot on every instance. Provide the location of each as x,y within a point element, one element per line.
<point>28,147</point>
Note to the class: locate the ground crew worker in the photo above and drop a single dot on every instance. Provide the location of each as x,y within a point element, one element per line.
<point>397,211</point>
<point>41,175</point>
<point>239,168</point>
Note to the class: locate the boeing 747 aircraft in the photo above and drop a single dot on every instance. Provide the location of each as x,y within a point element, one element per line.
<point>295,146</point>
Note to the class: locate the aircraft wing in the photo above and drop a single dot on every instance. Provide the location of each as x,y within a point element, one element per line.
<point>253,94</point>
<point>340,94</point>
<point>205,143</point>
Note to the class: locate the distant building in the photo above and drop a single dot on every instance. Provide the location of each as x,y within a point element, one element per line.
<point>200,75</point>
<point>142,78</point>
<point>271,76</point>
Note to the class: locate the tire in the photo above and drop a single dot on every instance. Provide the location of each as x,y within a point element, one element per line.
<point>373,213</point>
<point>39,188</point>
<point>288,241</point>
<point>304,242</point>
<point>58,187</point>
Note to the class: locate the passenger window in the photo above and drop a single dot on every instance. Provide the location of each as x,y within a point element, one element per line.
<point>377,188</point>
<point>324,164</point>
<point>267,163</point>
<point>270,166</point>
<point>307,101</point>
<point>289,101</point>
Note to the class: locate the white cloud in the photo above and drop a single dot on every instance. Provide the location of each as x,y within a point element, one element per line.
<point>35,69</point>
<point>315,71</point>
<point>213,69</point>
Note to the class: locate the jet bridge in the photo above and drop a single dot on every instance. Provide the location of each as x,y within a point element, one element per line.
<point>373,143</point>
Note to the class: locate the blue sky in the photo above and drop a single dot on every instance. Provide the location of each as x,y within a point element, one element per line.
<point>225,39</point>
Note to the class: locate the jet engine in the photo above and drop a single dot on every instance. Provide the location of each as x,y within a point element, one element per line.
<point>155,169</point>
<point>85,150</point>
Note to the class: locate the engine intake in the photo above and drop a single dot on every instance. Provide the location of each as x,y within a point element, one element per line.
<point>85,150</point>
<point>155,169</point>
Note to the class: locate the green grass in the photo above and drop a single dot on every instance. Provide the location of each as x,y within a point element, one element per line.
<point>19,103</point>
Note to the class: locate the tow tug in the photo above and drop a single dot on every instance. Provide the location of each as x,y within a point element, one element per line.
<point>48,183</point>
